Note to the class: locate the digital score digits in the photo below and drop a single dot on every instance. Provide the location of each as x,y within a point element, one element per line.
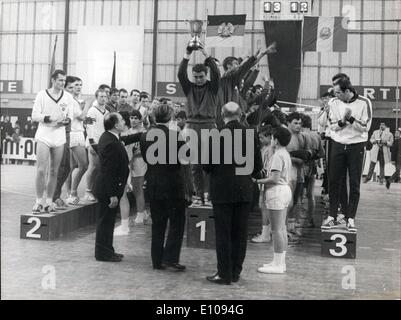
<point>285,10</point>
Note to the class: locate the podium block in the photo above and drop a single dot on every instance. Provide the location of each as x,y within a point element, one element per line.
<point>52,226</point>
<point>338,243</point>
<point>200,228</point>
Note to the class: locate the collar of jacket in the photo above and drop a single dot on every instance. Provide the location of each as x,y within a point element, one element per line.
<point>232,122</point>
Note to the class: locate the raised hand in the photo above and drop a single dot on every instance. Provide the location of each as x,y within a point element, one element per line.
<point>203,50</point>
<point>189,49</point>
<point>272,48</point>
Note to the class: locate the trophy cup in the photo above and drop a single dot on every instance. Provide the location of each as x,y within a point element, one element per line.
<point>196,30</point>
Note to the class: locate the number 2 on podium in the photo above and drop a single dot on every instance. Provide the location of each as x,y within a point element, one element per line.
<point>30,233</point>
<point>202,226</point>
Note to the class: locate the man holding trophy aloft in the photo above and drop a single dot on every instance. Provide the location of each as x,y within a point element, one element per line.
<point>202,99</point>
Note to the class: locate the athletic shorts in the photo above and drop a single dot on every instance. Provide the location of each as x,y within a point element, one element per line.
<point>77,139</point>
<point>52,142</point>
<point>138,167</point>
<point>278,197</point>
<point>51,136</point>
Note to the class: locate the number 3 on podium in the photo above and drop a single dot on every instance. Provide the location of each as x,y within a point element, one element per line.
<point>340,245</point>
<point>31,233</point>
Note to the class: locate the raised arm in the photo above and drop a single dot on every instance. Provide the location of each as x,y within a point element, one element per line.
<point>131,138</point>
<point>183,71</point>
<point>250,78</point>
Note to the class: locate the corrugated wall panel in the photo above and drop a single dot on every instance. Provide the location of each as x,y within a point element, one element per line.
<point>372,11</point>
<point>224,7</point>
<point>186,10</point>
<point>9,16</point>
<point>309,83</point>
<point>390,77</point>
<point>392,11</point>
<point>107,12</point>
<point>182,40</point>
<point>390,54</point>
<point>126,17</point>
<point>326,73</point>
<point>8,48</point>
<point>72,52</point>
<point>371,76</point>
<point>353,73</point>
<point>148,46</point>
<point>77,13</point>
<point>311,58</point>
<point>146,14</point>
<point>93,13</point>
<point>351,57</point>
<point>147,78</point>
<point>372,49</point>
<point>27,77</point>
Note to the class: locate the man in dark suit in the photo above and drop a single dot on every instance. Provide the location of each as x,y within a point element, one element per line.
<point>110,183</point>
<point>165,189</point>
<point>232,194</point>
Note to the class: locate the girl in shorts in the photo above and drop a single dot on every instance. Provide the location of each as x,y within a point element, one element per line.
<point>277,198</point>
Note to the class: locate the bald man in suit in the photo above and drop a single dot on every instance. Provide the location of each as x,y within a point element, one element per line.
<point>232,195</point>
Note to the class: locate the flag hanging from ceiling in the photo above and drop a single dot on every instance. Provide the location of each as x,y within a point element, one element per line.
<point>53,63</point>
<point>113,75</point>
<point>225,30</point>
<point>285,65</point>
<point>325,34</point>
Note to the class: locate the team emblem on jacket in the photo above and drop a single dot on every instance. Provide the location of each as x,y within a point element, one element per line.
<point>225,30</point>
<point>325,33</point>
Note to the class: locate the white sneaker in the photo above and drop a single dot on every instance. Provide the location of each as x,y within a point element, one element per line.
<point>265,265</point>
<point>72,200</point>
<point>329,223</point>
<point>120,231</point>
<point>139,218</point>
<point>148,219</point>
<point>272,269</point>
<point>89,197</point>
<point>49,208</point>
<point>351,225</point>
<point>197,202</point>
<point>261,239</point>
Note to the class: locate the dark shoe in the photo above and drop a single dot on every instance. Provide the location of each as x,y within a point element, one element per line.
<point>159,267</point>
<point>113,258</point>
<point>119,255</point>
<point>366,180</point>
<point>175,266</point>
<point>235,279</point>
<point>388,183</point>
<point>217,280</point>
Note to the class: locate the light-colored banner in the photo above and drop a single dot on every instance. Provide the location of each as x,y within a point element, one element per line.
<point>95,56</point>
<point>25,149</point>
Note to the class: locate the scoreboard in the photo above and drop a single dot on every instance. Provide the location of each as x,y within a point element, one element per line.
<point>285,9</point>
